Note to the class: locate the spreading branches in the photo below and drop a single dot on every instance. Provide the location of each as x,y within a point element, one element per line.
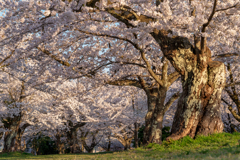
<point>143,54</point>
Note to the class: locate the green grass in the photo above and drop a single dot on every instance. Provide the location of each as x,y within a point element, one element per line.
<point>218,146</point>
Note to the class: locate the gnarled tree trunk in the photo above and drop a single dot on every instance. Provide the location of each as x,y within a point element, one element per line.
<point>12,125</point>
<point>17,145</point>
<point>156,96</point>
<point>72,136</point>
<point>198,111</point>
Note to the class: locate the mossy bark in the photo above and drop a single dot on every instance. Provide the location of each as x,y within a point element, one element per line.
<point>154,128</point>
<point>152,97</point>
<point>198,110</point>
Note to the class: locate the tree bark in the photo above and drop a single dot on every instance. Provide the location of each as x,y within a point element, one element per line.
<point>60,145</point>
<point>136,127</point>
<point>152,97</point>
<point>233,93</point>
<point>13,127</point>
<point>73,141</point>
<point>124,140</point>
<point>17,145</point>
<point>155,135</point>
<point>198,110</point>
<point>72,136</point>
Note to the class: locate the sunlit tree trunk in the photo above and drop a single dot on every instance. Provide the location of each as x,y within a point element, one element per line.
<point>152,97</point>
<point>155,135</point>
<point>198,111</point>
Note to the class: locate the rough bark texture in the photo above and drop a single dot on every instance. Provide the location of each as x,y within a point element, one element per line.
<point>151,100</point>
<point>202,80</point>
<point>11,124</point>
<point>155,135</point>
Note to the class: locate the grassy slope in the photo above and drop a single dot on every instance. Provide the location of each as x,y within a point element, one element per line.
<point>217,146</point>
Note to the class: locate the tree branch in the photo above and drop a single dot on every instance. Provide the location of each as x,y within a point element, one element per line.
<point>136,46</point>
<point>125,83</point>
<point>170,101</point>
<point>225,55</point>
<point>224,9</point>
<point>206,24</point>
<point>172,78</point>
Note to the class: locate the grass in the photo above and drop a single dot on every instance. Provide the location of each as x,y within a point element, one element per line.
<point>218,146</point>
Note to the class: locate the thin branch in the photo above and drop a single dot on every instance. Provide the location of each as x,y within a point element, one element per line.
<point>232,84</point>
<point>225,55</point>
<point>224,9</point>
<point>172,78</point>
<point>54,57</point>
<point>125,83</point>
<point>206,24</point>
<point>136,46</point>
<point>6,58</point>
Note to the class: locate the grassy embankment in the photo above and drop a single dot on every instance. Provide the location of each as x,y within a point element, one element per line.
<point>217,146</point>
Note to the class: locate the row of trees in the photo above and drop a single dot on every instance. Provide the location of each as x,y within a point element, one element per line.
<point>77,67</point>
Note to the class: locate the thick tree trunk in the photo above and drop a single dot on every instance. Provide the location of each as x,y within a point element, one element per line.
<point>88,148</point>
<point>155,127</point>
<point>198,110</point>
<point>155,131</point>
<point>17,145</point>
<point>60,145</point>
<point>12,125</point>
<point>72,136</point>
<point>151,100</point>
<point>73,141</point>
<point>10,137</point>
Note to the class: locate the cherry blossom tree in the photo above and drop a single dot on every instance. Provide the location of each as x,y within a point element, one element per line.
<point>231,97</point>
<point>73,38</point>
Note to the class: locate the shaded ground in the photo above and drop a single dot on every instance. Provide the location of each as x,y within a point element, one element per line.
<point>217,146</point>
